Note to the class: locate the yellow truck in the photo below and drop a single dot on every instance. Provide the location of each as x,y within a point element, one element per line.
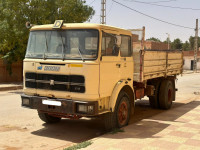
<point>91,70</point>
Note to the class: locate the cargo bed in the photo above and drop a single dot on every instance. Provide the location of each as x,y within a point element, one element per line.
<point>149,64</point>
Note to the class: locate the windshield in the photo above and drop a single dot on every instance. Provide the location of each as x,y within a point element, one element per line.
<point>65,44</point>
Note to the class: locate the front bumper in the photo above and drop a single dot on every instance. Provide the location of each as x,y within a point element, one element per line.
<point>60,106</point>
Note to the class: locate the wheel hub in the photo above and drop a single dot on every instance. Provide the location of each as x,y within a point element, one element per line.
<point>123,113</point>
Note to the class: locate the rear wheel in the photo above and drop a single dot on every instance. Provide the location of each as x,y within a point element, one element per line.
<point>154,100</point>
<point>166,94</point>
<point>47,118</point>
<point>120,117</point>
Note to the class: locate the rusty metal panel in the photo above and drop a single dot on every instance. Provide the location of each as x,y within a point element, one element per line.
<point>139,93</point>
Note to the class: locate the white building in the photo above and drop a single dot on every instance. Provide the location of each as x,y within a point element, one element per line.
<point>188,57</point>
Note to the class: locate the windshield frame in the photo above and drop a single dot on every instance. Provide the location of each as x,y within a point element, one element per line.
<point>60,30</point>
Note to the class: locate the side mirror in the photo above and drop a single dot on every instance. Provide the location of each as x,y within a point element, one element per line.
<point>29,25</point>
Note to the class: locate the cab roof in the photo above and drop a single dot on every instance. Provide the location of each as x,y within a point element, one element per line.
<point>81,26</point>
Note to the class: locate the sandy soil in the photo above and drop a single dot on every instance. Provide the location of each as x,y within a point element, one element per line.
<point>20,128</point>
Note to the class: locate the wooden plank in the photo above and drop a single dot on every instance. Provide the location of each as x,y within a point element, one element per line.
<point>155,75</point>
<point>154,55</point>
<point>175,66</point>
<point>154,69</point>
<point>154,63</point>
<point>174,72</point>
<point>178,61</point>
<point>174,55</point>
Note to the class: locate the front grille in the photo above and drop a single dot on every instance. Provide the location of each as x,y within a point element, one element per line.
<point>71,83</point>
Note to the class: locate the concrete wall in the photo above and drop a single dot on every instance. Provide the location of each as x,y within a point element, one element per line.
<point>187,63</point>
<point>16,76</point>
<point>188,56</point>
<point>135,38</point>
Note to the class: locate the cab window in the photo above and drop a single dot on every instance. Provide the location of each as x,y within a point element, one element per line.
<point>125,48</point>
<point>109,46</point>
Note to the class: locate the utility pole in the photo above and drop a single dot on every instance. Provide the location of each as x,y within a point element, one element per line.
<point>103,11</point>
<point>196,47</point>
<point>168,39</point>
<point>143,37</point>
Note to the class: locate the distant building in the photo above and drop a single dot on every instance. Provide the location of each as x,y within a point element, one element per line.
<point>16,75</point>
<point>188,58</point>
<point>148,44</point>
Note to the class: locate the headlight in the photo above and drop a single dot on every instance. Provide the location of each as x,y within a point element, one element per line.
<point>82,108</point>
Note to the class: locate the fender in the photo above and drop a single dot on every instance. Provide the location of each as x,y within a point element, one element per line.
<point>118,87</point>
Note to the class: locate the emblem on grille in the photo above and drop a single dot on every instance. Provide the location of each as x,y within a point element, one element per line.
<point>39,68</point>
<point>51,82</point>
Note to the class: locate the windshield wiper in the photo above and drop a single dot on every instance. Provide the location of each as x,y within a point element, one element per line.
<point>79,50</point>
<point>44,56</point>
<point>63,47</point>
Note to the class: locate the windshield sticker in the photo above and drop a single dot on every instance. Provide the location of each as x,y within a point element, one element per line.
<point>51,68</point>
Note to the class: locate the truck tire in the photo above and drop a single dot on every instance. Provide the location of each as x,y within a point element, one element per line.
<point>166,94</point>
<point>47,118</point>
<point>154,100</point>
<point>120,117</point>
<point>109,121</point>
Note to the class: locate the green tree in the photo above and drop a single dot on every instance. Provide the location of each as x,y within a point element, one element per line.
<point>186,46</point>
<point>166,41</point>
<point>153,39</point>
<point>15,13</point>
<point>177,44</point>
<point>192,41</point>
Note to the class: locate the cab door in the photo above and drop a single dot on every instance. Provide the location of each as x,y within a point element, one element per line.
<point>110,64</point>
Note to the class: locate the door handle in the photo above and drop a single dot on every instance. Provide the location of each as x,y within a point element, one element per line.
<point>118,65</point>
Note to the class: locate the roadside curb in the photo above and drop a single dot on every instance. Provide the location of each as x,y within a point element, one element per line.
<point>8,88</point>
<point>189,72</point>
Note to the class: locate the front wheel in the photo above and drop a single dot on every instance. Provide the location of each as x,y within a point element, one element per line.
<point>123,112</point>
<point>47,118</point>
<point>121,115</point>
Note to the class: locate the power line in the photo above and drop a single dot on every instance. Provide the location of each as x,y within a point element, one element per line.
<point>110,9</point>
<point>163,1</point>
<point>174,7</point>
<point>91,2</point>
<point>152,17</point>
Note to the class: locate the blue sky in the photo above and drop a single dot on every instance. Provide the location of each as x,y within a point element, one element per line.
<point>122,17</point>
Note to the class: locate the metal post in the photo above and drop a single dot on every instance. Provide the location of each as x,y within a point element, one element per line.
<point>103,11</point>
<point>195,47</point>
<point>143,38</point>
<point>168,39</point>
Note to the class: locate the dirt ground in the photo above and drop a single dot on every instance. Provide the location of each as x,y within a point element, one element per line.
<point>20,128</point>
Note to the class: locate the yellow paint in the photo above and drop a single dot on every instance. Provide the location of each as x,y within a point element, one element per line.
<point>75,65</point>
